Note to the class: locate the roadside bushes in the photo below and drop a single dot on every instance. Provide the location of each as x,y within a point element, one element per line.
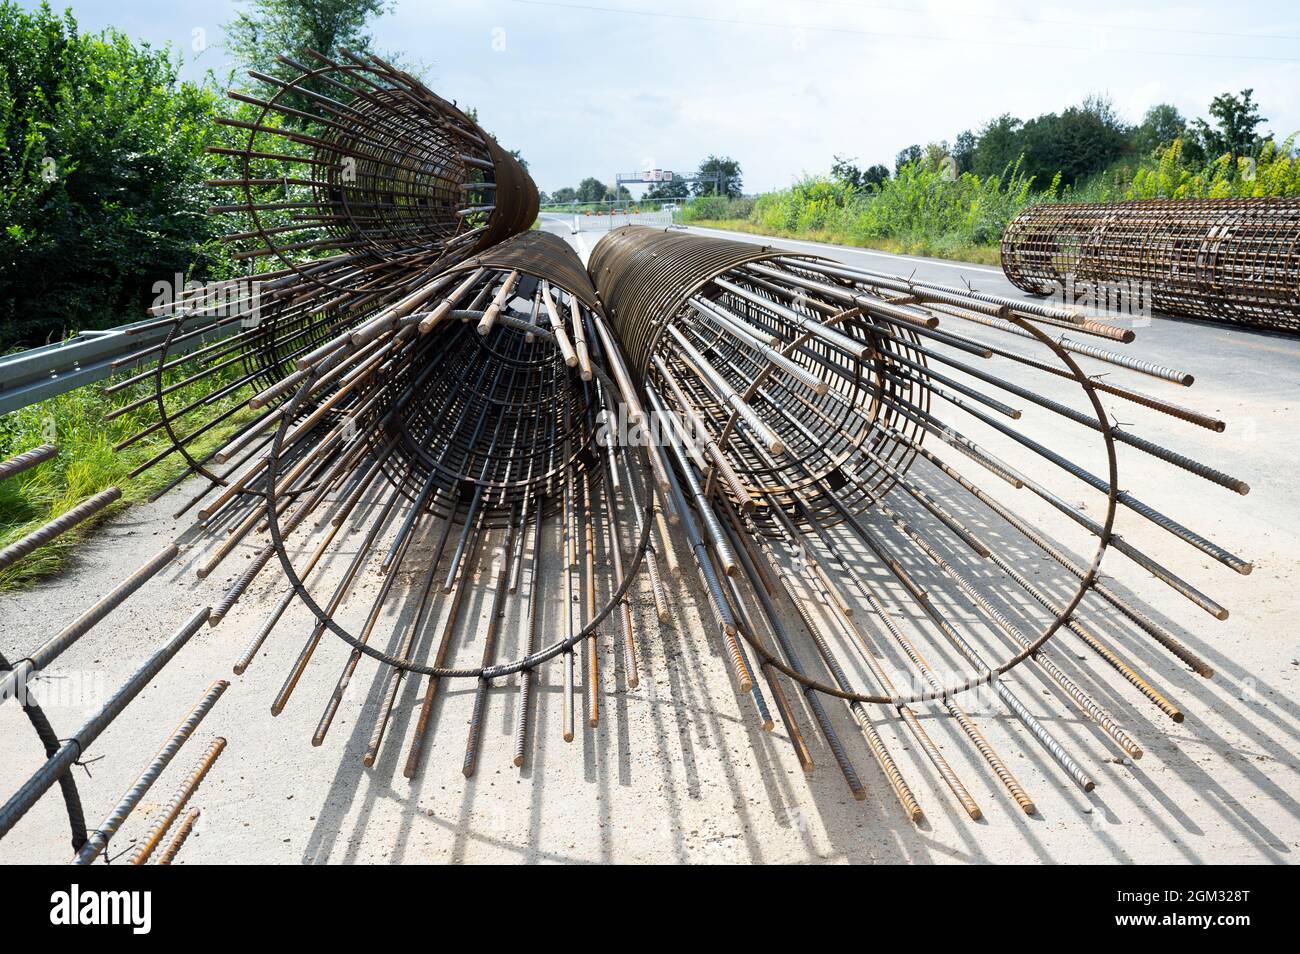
<point>927,210</point>
<point>718,208</point>
<point>922,209</point>
<point>923,201</point>
<point>1275,172</point>
<point>813,204</point>
<point>101,175</point>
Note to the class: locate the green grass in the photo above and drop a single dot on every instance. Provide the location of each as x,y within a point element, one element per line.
<point>924,211</point>
<point>921,211</point>
<point>928,246</point>
<point>87,462</point>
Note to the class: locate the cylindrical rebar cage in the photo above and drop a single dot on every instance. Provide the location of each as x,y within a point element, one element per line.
<point>463,409</point>
<point>350,164</point>
<point>1232,260</point>
<point>806,377</point>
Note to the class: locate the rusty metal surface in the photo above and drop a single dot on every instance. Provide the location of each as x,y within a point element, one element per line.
<point>444,417</point>
<point>358,158</point>
<point>1233,260</point>
<point>646,277</point>
<point>646,274</point>
<point>432,397</point>
<point>829,411</point>
<point>517,201</point>
<point>419,388</point>
<point>543,255</point>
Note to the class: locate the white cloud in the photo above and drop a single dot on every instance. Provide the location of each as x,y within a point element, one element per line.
<point>587,92</point>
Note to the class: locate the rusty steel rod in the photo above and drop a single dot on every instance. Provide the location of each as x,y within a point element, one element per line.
<point>100,837</point>
<point>1231,260</point>
<point>61,761</point>
<point>443,441</point>
<point>177,840</point>
<point>178,801</point>
<point>13,680</point>
<point>794,395</point>
<point>60,525</point>
<point>27,460</point>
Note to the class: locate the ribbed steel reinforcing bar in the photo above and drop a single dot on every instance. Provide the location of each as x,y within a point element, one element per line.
<point>1235,260</point>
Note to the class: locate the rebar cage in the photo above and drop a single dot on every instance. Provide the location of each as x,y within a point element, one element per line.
<point>1233,260</point>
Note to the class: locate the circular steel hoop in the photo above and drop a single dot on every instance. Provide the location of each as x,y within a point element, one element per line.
<point>767,658</point>
<point>50,743</point>
<point>441,672</point>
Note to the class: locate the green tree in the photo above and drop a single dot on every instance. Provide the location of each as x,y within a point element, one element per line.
<point>673,189</point>
<point>1080,141</point>
<point>848,172</point>
<point>1234,131</point>
<point>269,28</point>
<point>719,175</point>
<point>997,147</point>
<point>856,178</point>
<point>102,171</point>
<point>592,189</point>
<point>963,151</point>
<point>566,194</point>
<point>1160,126</point>
<point>877,175</point>
<point>935,153</point>
<point>906,156</point>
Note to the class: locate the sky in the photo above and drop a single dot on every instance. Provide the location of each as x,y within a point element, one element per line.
<point>595,87</point>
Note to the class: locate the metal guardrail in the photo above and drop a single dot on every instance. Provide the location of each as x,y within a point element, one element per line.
<point>37,374</point>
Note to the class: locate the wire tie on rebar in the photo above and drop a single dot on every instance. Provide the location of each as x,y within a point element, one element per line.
<point>87,763</point>
<point>109,859</point>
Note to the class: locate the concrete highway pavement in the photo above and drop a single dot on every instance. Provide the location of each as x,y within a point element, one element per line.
<point>986,277</point>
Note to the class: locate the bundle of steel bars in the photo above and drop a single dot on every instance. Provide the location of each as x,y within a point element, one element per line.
<point>463,449</point>
<point>432,435</point>
<point>883,481</point>
<point>404,383</point>
<point>1235,260</point>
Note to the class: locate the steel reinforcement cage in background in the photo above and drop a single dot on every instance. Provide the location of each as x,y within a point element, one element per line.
<point>1235,260</point>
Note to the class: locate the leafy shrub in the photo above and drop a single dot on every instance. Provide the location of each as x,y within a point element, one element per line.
<point>1274,172</point>
<point>718,208</point>
<point>927,210</point>
<point>922,206</point>
<point>101,175</point>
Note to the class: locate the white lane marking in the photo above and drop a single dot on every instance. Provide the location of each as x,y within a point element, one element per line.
<point>751,237</point>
